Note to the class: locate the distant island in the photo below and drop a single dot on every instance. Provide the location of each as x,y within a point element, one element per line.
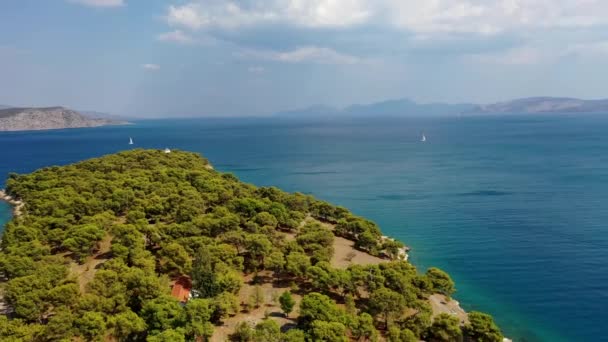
<point>31,119</point>
<point>409,108</point>
<point>146,245</point>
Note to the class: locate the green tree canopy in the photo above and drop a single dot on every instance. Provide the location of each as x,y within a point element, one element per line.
<point>287,302</point>
<point>445,328</point>
<point>441,281</point>
<point>267,331</point>
<point>387,303</point>
<point>481,328</point>
<point>316,306</point>
<point>323,331</point>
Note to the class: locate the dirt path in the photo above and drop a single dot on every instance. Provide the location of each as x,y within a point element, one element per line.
<point>86,271</point>
<point>441,304</point>
<point>345,253</point>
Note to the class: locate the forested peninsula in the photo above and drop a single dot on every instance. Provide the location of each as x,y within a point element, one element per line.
<point>151,246</point>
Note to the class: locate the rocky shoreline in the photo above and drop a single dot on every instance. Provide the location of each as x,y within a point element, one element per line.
<point>17,204</point>
<point>403,251</point>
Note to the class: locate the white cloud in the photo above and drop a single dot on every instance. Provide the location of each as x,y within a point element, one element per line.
<point>306,54</point>
<point>186,16</point>
<point>429,16</point>
<point>230,14</point>
<point>176,36</point>
<point>315,55</point>
<point>511,32</point>
<point>488,17</point>
<point>327,13</point>
<point>100,3</point>
<point>150,67</point>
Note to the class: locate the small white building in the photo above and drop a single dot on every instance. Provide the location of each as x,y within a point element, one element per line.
<point>167,150</point>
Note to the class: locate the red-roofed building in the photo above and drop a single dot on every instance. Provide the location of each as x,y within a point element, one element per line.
<point>181,289</point>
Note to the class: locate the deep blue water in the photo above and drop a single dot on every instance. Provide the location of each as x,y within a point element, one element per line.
<point>514,208</point>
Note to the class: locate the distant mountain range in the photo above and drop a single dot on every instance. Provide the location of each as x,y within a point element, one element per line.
<point>26,119</point>
<point>390,108</point>
<point>408,108</point>
<point>60,117</point>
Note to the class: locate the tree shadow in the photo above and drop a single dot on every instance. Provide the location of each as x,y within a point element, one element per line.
<point>260,279</point>
<point>99,266</point>
<point>288,326</point>
<point>277,314</point>
<point>106,255</point>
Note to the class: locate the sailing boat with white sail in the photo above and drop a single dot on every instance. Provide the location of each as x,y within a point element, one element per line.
<point>130,141</point>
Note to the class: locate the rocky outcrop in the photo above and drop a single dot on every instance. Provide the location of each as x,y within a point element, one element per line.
<point>17,204</point>
<point>29,119</point>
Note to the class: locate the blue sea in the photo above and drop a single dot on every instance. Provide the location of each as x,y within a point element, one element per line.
<point>514,208</point>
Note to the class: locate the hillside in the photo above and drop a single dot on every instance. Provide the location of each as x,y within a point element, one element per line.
<point>534,105</point>
<point>151,246</point>
<point>26,119</point>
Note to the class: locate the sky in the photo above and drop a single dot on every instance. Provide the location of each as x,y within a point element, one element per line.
<point>155,58</point>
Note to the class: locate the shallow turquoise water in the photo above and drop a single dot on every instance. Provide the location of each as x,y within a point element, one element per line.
<point>5,212</point>
<point>514,208</point>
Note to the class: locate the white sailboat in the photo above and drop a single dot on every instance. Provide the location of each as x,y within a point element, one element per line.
<point>130,141</point>
<point>423,139</point>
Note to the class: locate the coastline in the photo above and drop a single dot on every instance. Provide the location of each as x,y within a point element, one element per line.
<point>15,203</point>
<point>439,303</point>
<point>403,251</point>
